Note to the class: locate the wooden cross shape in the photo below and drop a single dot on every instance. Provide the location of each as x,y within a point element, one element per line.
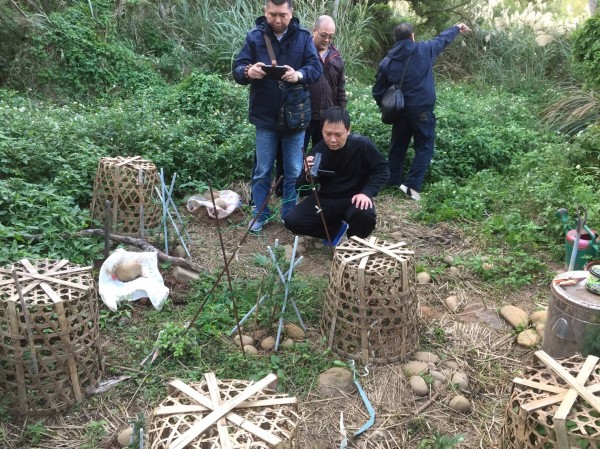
<point>222,411</point>
<point>567,396</point>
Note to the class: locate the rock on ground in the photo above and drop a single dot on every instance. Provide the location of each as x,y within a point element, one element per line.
<point>539,317</point>
<point>414,367</point>
<point>294,332</point>
<point>427,357</point>
<point>419,386</point>
<point>461,380</point>
<point>452,303</point>
<point>246,340</point>
<point>529,338</point>
<point>336,381</point>
<point>423,278</point>
<point>268,343</point>
<point>250,350</point>
<point>515,316</point>
<point>460,404</point>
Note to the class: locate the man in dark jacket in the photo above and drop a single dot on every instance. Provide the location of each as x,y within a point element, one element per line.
<point>412,63</point>
<point>330,88</point>
<point>294,49</point>
<point>350,173</point>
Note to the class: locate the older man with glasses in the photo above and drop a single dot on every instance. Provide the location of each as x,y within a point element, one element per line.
<point>294,49</point>
<point>330,88</point>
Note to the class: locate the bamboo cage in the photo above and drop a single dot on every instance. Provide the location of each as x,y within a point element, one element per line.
<point>553,405</point>
<point>49,336</point>
<point>129,184</point>
<point>370,309</point>
<point>224,414</point>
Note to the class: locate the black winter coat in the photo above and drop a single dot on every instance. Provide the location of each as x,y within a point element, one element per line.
<point>330,88</point>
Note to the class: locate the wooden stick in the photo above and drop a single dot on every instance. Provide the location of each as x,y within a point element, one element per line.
<point>184,409</point>
<point>567,377</point>
<point>534,405</point>
<point>539,386</point>
<point>430,401</point>
<point>234,418</point>
<point>215,397</point>
<point>560,416</point>
<point>56,281</point>
<point>25,313</point>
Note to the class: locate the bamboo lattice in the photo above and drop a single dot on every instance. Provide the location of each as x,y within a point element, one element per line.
<point>129,183</point>
<point>532,414</point>
<point>370,310</point>
<point>49,349</point>
<point>261,419</point>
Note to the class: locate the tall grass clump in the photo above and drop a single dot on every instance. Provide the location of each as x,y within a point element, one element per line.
<point>525,50</point>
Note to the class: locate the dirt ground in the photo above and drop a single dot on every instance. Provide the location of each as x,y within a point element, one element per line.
<point>475,338</point>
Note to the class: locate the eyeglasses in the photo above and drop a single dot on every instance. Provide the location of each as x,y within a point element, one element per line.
<point>326,36</point>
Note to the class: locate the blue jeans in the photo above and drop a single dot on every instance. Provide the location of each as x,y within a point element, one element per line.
<point>419,126</point>
<point>267,141</point>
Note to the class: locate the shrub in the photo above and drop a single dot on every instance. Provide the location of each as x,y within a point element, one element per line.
<point>586,49</point>
<point>76,54</point>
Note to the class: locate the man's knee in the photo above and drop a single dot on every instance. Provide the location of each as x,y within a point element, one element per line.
<point>361,222</point>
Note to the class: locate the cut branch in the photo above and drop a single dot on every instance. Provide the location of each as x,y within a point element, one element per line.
<point>145,246</point>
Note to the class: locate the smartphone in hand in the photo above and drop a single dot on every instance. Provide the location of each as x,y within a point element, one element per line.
<point>273,72</point>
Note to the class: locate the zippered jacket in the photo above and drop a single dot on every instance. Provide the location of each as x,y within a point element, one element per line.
<point>418,85</point>
<point>330,88</point>
<point>295,49</point>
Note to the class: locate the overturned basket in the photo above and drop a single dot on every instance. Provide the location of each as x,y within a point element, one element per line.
<point>370,309</point>
<point>224,414</point>
<point>129,183</point>
<point>49,336</point>
<point>553,405</point>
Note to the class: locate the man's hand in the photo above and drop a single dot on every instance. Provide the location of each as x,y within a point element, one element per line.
<point>291,76</point>
<point>462,28</point>
<point>308,163</point>
<point>255,72</point>
<point>362,201</point>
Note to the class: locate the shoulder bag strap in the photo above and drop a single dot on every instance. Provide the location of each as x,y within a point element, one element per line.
<point>404,72</point>
<point>270,49</point>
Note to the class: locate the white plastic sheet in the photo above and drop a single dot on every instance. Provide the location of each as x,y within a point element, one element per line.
<point>150,284</point>
<point>231,198</point>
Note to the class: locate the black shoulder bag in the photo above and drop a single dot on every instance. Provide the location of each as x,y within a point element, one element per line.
<point>392,103</point>
<point>294,112</point>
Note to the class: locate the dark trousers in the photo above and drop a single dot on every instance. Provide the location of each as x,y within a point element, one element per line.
<point>304,219</point>
<point>420,126</point>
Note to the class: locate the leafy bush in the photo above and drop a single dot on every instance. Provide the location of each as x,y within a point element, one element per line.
<point>38,221</point>
<point>586,49</point>
<point>76,54</point>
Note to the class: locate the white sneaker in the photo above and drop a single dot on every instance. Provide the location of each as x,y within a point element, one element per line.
<point>413,194</point>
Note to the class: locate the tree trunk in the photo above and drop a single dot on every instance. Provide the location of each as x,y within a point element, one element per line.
<point>593,4</point>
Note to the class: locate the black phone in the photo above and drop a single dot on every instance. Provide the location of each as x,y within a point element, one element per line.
<point>273,72</point>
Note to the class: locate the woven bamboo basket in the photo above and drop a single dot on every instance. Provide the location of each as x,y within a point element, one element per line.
<point>533,419</point>
<point>49,349</point>
<point>370,310</point>
<point>261,418</point>
<point>129,183</point>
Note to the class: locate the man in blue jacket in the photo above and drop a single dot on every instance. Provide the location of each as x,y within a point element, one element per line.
<point>294,49</point>
<point>412,63</point>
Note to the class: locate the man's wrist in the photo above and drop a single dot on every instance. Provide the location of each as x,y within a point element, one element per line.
<point>299,75</point>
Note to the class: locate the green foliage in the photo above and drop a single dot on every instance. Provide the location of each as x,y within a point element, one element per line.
<point>77,54</point>
<point>38,221</point>
<point>439,441</point>
<point>94,434</point>
<point>34,432</point>
<point>178,341</point>
<point>586,49</point>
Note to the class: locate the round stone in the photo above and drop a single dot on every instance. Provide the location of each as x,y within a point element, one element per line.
<point>124,437</point>
<point>268,343</point>
<point>335,382</point>
<point>461,380</point>
<point>423,278</point>
<point>246,340</point>
<point>294,332</point>
<point>452,303</point>
<point>449,260</point>
<point>414,367</point>
<point>460,404</point>
<point>418,385</point>
<point>529,338</point>
<point>515,316</point>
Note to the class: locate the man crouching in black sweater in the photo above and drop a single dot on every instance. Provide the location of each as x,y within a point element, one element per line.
<point>351,171</point>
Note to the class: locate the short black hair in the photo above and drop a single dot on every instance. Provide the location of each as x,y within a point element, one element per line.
<point>280,2</point>
<point>336,114</point>
<point>403,30</point>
